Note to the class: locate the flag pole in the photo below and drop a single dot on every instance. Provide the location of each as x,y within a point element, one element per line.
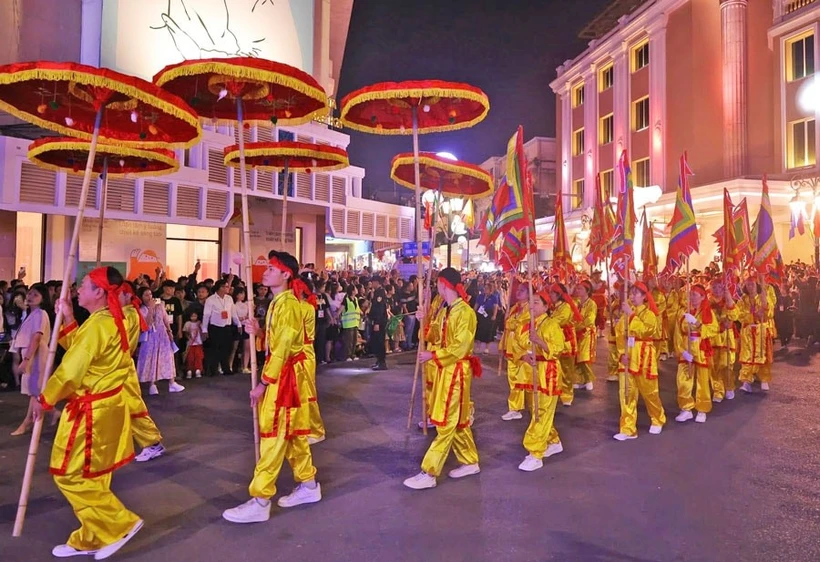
<point>509,310</point>
<point>688,310</point>
<point>532,321</point>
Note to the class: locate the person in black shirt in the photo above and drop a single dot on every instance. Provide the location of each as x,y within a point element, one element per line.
<point>378,327</point>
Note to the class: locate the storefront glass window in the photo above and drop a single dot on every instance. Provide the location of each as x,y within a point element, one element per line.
<point>187,244</point>
<point>29,246</point>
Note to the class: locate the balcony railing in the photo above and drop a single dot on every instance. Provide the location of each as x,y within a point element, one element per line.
<point>785,8</point>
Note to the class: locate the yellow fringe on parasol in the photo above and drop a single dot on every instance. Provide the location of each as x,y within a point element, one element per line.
<point>452,168</point>
<point>232,158</point>
<point>103,149</point>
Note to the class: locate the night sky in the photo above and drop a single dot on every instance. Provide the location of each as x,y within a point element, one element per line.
<point>508,48</point>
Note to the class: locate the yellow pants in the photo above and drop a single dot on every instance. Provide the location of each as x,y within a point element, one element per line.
<point>762,372</point>
<point>429,378</point>
<point>272,453</point>
<point>145,431</point>
<point>515,400</point>
<point>450,436</point>
<point>722,373</point>
<point>103,518</point>
<point>567,378</point>
<point>542,433</point>
<point>688,375</point>
<point>613,360</point>
<point>648,389</point>
<point>662,346</point>
<point>583,373</point>
<point>317,426</point>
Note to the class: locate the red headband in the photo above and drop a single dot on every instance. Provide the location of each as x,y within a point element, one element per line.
<point>99,277</point>
<point>650,300</point>
<point>588,285</point>
<point>556,288</point>
<point>458,288</point>
<point>545,296</point>
<point>705,307</point>
<point>125,289</point>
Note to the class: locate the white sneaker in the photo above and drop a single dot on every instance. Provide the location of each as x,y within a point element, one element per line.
<point>152,390</point>
<point>252,511</point>
<point>664,356</point>
<point>567,404</point>
<point>623,437</point>
<point>512,415</point>
<point>302,494</point>
<point>430,425</point>
<point>554,449</point>
<point>612,378</point>
<point>577,386</point>
<point>150,452</point>
<point>464,470</point>
<point>588,386</point>
<point>746,387</point>
<point>530,463</point>
<point>685,415</point>
<point>700,418</point>
<point>764,386</point>
<point>198,374</point>
<point>65,551</point>
<point>349,359</point>
<point>111,549</point>
<point>717,399</point>
<point>314,440</point>
<point>174,386</point>
<point>188,374</point>
<point>655,429</point>
<point>421,481</point>
<point>355,358</point>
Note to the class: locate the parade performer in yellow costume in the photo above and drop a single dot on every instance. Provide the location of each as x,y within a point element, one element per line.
<point>94,435</point>
<point>724,344</point>
<point>568,317</point>
<point>541,438</point>
<point>662,331</point>
<point>284,420</point>
<point>456,366</point>
<point>586,335</point>
<point>635,339</point>
<point>513,348</point>
<point>694,329</point>
<point>675,300</point>
<point>754,312</point>
<point>765,374</point>
<point>432,339</point>
<point>614,314</point>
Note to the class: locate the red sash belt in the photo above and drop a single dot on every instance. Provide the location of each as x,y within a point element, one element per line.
<point>82,404</point>
<point>706,348</point>
<point>287,395</point>
<point>475,365</point>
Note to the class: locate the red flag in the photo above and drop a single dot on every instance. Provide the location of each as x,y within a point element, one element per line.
<point>561,259</point>
<point>602,227</point>
<point>650,257</point>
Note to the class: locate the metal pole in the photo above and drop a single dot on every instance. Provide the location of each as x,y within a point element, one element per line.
<point>103,203</point>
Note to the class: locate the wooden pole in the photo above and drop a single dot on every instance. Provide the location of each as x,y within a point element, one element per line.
<point>531,272</point>
<point>504,335</point>
<point>103,203</point>
<point>285,188</point>
<point>248,257</point>
<point>34,444</point>
<point>688,306</point>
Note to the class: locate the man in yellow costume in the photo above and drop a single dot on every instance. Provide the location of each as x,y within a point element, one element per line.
<point>724,344</point>
<point>587,336</point>
<point>661,332</point>
<point>675,300</point>
<point>284,420</point>
<point>693,330</point>
<point>541,438</point>
<point>755,310</point>
<point>639,365</point>
<point>456,365</point>
<point>432,339</point>
<point>94,435</point>
<point>510,346</point>
<point>568,317</point>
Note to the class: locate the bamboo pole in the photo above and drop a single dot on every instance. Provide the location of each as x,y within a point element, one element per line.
<point>504,335</point>
<point>103,203</point>
<point>532,321</point>
<point>688,311</point>
<point>34,444</point>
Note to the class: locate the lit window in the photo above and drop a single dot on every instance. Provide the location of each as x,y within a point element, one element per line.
<point>640,176</point>
<point>577,195</point>
<point>578,142</point>
<point>640,56</point>
<point>607,130</point>
<point>578,95</point>
<point>801,144</point>
<point>640,114</point>
<point>606,78</point>
<point>607,179</point>
<point>800,57</point>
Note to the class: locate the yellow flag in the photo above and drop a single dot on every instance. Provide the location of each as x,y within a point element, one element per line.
<point>469,215</point>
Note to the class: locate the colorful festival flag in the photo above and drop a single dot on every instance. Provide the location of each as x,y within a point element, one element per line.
<point>561,259</point>
<point>648,253</point>
<point>766,256</point>
<point>683,240</point>
<point>602,227</point>
<point>623,255</point>
<point>512,250</point>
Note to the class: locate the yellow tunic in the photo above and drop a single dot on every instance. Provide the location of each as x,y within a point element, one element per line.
<point>516,343</point>
<point>643,361</point>
<point>613,359</point>
<point>563,315</point>
<point>432,339</point>
<point>674,301</point>
<point>695,340</point>
<point>586,333</point>
<point>661,305</point>
<point>754,343</point>
<point>308,383</point>
<point>725,339</point>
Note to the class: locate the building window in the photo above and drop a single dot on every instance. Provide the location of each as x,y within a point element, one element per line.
<point>800,57</point>
<point>185,245</point>
<point>640,177</point>
<point>640,114</point>
<point>578,142</point>
<point>640,56</point>
<point>578,95</point>
<point>606,78</point>
<point>29,246</point>
<point>607,131</point>
<point>607,187</point>
<point>800,145</point>
<point>577,195</point>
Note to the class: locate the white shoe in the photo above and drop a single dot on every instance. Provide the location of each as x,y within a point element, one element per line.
<point>685,415</point>
<point>530,463</point>
<point>150,452</point>
<point>464,470</point>
<point>566,404</point>
<point>252,511</point>
<point>188,375</point>
<point>421,481</point>
<point>577,386</point>
<point>764,386</point>
<point>355,358</point>
<point>512,415</point>
<point>746,387</point>
<point>623,437</point>
<point>111,549</point>
<point>174,386</point>
<point>152,390</point>
<point>430,425</point>
<point>349,359</point>
<point>314,440</point>
<point>700,418</point>
<point>588,386</point>
<point>664,356</point>
<point>554,449</point>
<point>198,374</point>
<point>655,429</point>
<point>612,378</point>
<point>717,400</point>
<point>65,551</point>
<point>302,494</point>
<point>730,395</point>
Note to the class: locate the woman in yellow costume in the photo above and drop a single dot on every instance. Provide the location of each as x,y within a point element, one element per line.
<point>541,439</point>
<point>455,368</point>
<point>284,419</point>
<point>755,311</point>
<point>586,335</point>
<point>94,435</point>
<point>639,364</point>
<point>568,316</point>
<point>724,343</point>
<point>693,331</point>
<point>513,348</point>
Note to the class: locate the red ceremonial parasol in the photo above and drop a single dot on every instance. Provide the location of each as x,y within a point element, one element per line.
<point>261,90</point>
<point>89,103</point>
<point>449,177</point>
<point>414,107</point>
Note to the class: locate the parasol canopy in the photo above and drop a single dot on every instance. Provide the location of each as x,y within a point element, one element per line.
<point>65,97</point>
<point>271,92</point>
<point>453,177</point>
<point>295,156</point>
<point>66,154</point>
<point>386,108</point>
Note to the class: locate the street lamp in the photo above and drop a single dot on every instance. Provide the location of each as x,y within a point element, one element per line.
<point>798,207</point>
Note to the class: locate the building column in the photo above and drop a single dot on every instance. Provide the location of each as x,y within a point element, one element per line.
<point>657,105</point>
<point>590,135</point>
<point>566,143</point>
<point>91,32</point>
<point>620,108</point>
<point>735,77</point>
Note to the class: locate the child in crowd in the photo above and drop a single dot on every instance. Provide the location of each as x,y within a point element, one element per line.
<point>195,355</point>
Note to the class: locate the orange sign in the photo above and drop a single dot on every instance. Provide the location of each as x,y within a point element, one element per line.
<point>143,262</point>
